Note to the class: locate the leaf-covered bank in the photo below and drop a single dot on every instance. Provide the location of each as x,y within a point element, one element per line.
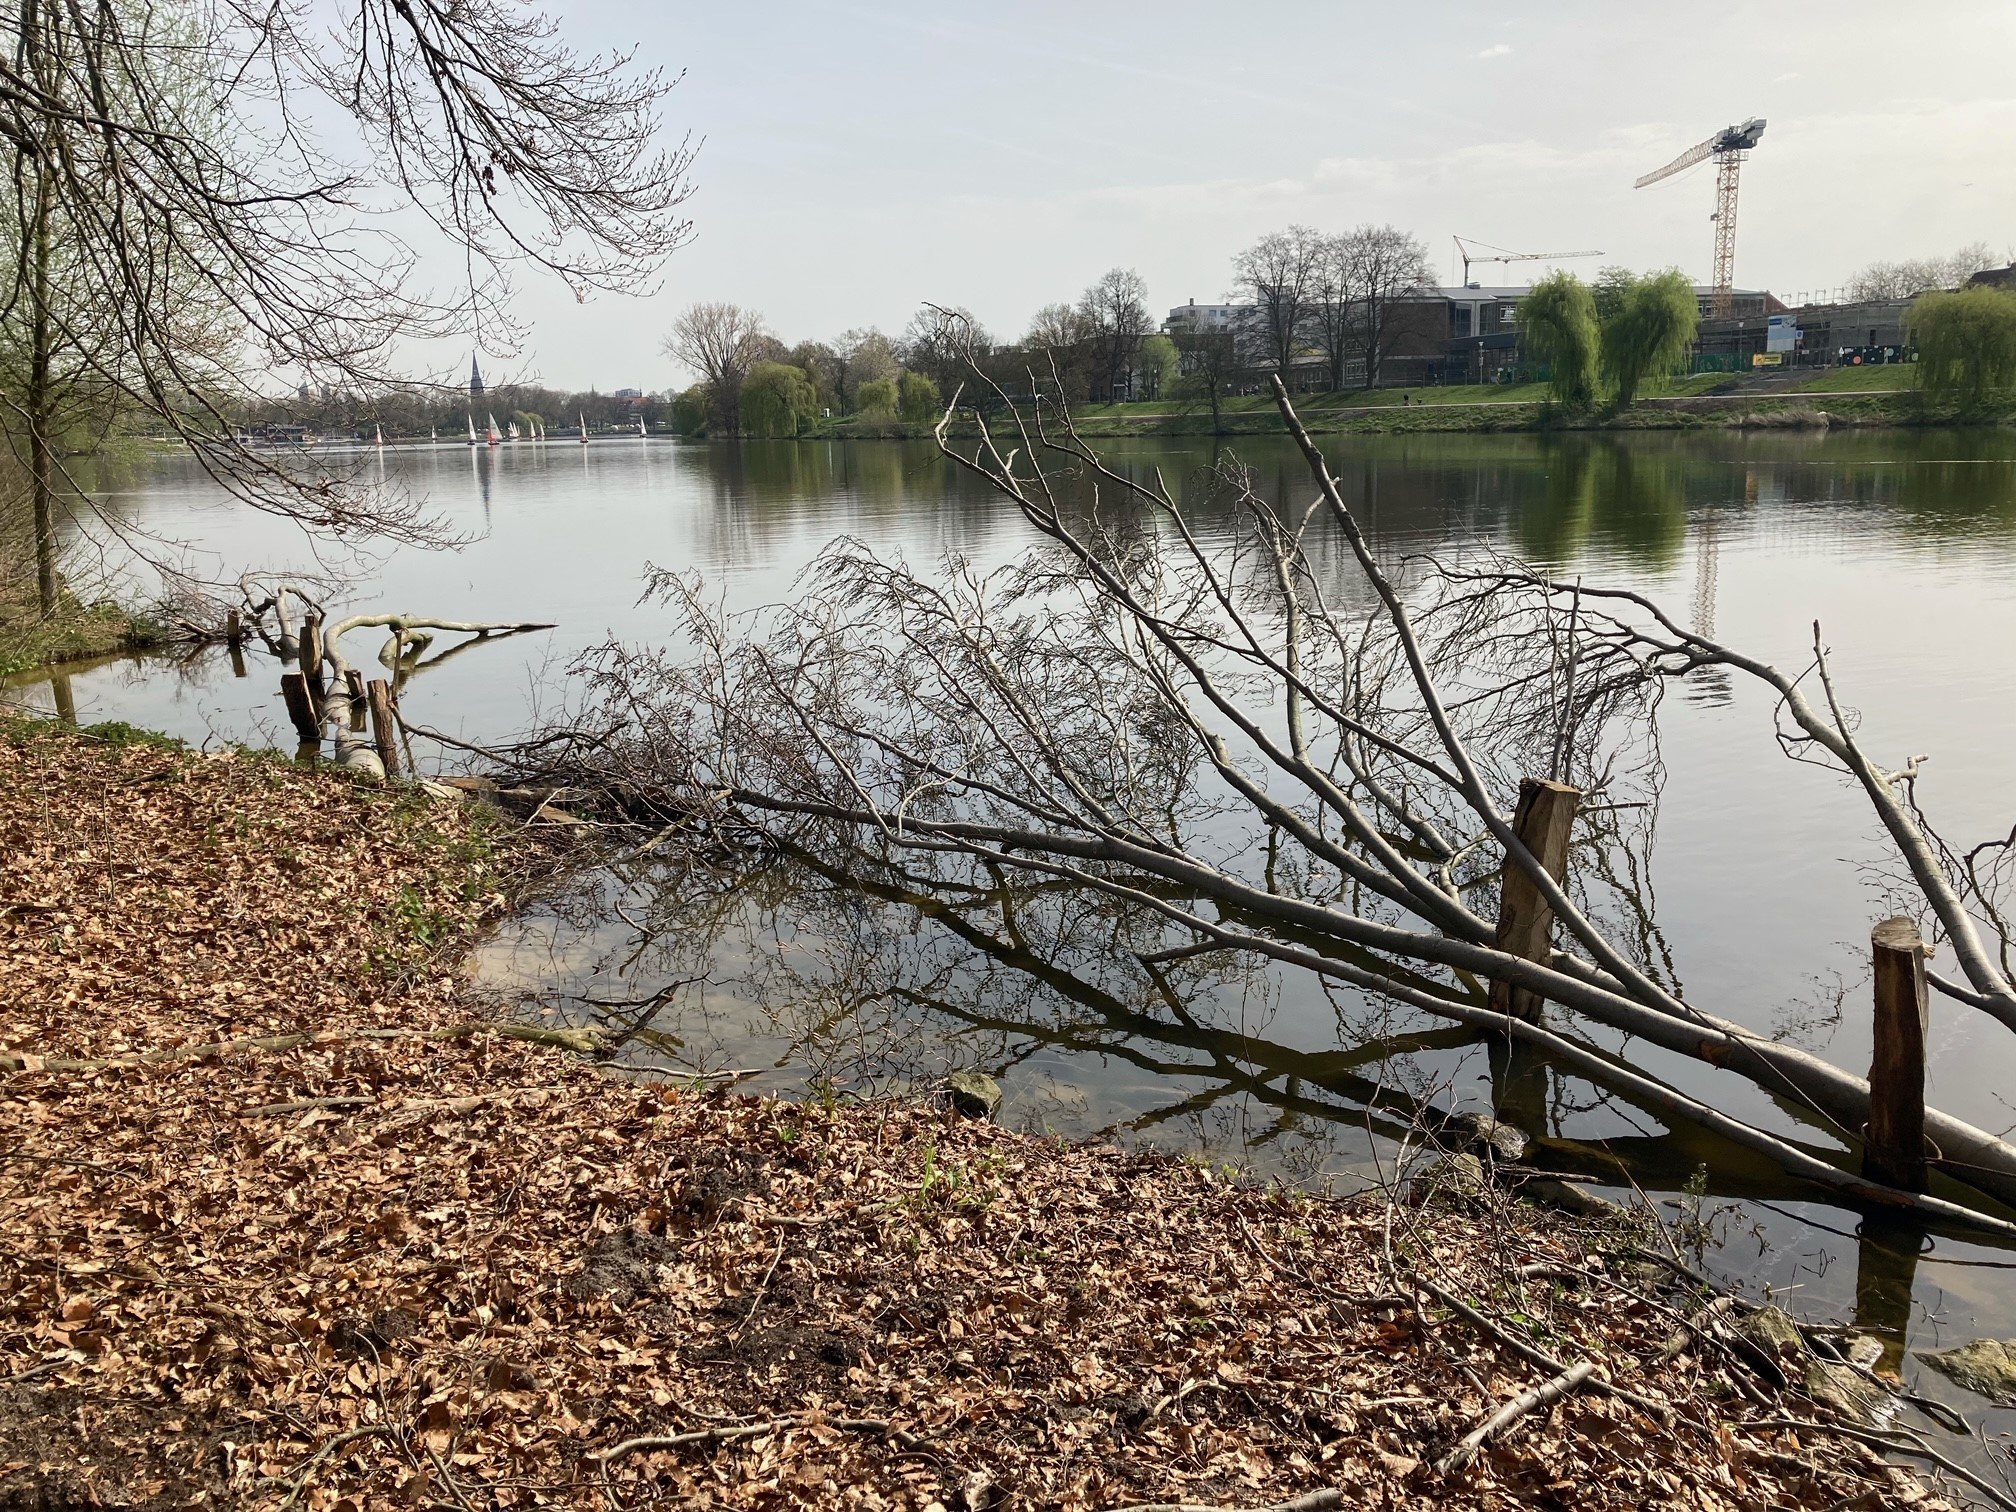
<point>354,1253</point>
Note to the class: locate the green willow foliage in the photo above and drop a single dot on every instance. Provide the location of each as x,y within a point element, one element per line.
<point>1966,344</point>
<point>1558,323</point>
<point>777,400</point>
<point>917,397</point>
<point>1649,335</point>
<point>876,399</point>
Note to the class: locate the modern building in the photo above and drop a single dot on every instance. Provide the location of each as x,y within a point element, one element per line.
<point>1193,319</point>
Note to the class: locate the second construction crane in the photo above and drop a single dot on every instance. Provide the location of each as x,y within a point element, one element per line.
<point>1728,147</point>
<point>1472,251</point>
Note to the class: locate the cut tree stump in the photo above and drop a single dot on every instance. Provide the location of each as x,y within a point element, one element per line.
<point>1543,821</point>
<point>1893,1149</point>
<point>384,734</point>
<point>301,708</point>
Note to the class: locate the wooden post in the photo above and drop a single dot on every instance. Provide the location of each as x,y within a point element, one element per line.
<point>1543,821</point>
<point>311,653</point>
<point>384,735</point>
<point>1893,1149</point>
<point>1886,1274</point>
<point>353,683</point>
<point>234,629</point>
<point>300,707</point>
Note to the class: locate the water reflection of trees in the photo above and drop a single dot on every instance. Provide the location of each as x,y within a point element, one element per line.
<point>843,969</point>
<point>1556,499</point>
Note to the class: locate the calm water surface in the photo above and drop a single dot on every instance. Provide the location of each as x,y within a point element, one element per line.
<point>1764,871</point>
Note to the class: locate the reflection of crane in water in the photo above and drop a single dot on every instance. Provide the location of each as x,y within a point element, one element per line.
<point>1707,567</point>
<point>1710,685</point>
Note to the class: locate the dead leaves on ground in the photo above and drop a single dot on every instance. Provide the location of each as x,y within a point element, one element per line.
<point>460,1272</point>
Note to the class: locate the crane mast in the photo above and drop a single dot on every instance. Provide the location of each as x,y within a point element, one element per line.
<point>1728,147</point>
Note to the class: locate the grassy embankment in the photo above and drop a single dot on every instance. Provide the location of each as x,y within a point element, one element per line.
<point>78,632</point>
<point>285,1223</point>
<point>1874,396</point>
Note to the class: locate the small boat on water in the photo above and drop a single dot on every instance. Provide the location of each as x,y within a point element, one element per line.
<point>472,430</point>
<point>381,436</point>
<point>510,430</point>
<point>582,421</point>
<point>640,427</point>
<point>490,435</point>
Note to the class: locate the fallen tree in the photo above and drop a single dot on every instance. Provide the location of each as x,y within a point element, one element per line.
<point>1260,750</point>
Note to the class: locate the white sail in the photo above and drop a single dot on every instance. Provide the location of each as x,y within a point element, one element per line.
<point>582,420</point>
<point>472,430</point>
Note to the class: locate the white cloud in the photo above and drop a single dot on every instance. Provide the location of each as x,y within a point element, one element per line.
<point>1496,52</point>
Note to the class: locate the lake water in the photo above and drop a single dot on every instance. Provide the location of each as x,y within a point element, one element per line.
<point>1764,870</point>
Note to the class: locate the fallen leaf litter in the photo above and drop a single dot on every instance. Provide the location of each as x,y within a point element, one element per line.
<point>376,1269</point>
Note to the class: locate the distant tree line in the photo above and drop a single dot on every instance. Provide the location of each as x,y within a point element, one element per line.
<point>415,409</point>
<point>1102,347</point>
<point>1915,276</point>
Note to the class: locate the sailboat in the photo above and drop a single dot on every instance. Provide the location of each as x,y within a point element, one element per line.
<point>472,430</point>
<point>510,430</point>
<point>490,435</point>
<point>640,427</point>
<point>381,436</point>
<point>582,421</point>
<point>434,433</point>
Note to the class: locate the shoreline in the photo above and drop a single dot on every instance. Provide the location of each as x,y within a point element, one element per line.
<point>289,1225</point>
<point>1815,410</point>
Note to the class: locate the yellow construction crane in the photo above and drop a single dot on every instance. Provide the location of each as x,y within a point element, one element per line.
<point>1464,244</point>
<point>1728,147</point>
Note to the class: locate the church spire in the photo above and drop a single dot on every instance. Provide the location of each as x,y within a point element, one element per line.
<point>475,378</point>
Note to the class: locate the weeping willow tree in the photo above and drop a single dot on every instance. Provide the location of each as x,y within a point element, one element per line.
<point>1966,344</point>
<point>777,399</point>
<point>1557,322</point>
<point>1648,336</point>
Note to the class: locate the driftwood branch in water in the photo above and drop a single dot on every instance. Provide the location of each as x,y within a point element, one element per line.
<point>1527,1402</point>
<point>1108,711</point>
<point>402,627</point>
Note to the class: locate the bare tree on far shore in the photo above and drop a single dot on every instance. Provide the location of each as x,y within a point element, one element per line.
<point>1280,275</point>
<point>1115,314</point>
<point>720,342</point>
<point>1384,270</point>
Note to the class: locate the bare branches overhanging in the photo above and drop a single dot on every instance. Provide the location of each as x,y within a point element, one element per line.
<point>204,198</point>
<point>1254,746</point>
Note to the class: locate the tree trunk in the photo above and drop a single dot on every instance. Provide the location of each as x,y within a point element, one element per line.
<point>37,398</point>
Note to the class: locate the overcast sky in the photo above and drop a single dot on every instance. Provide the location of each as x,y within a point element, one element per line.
<point>862,158</point>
